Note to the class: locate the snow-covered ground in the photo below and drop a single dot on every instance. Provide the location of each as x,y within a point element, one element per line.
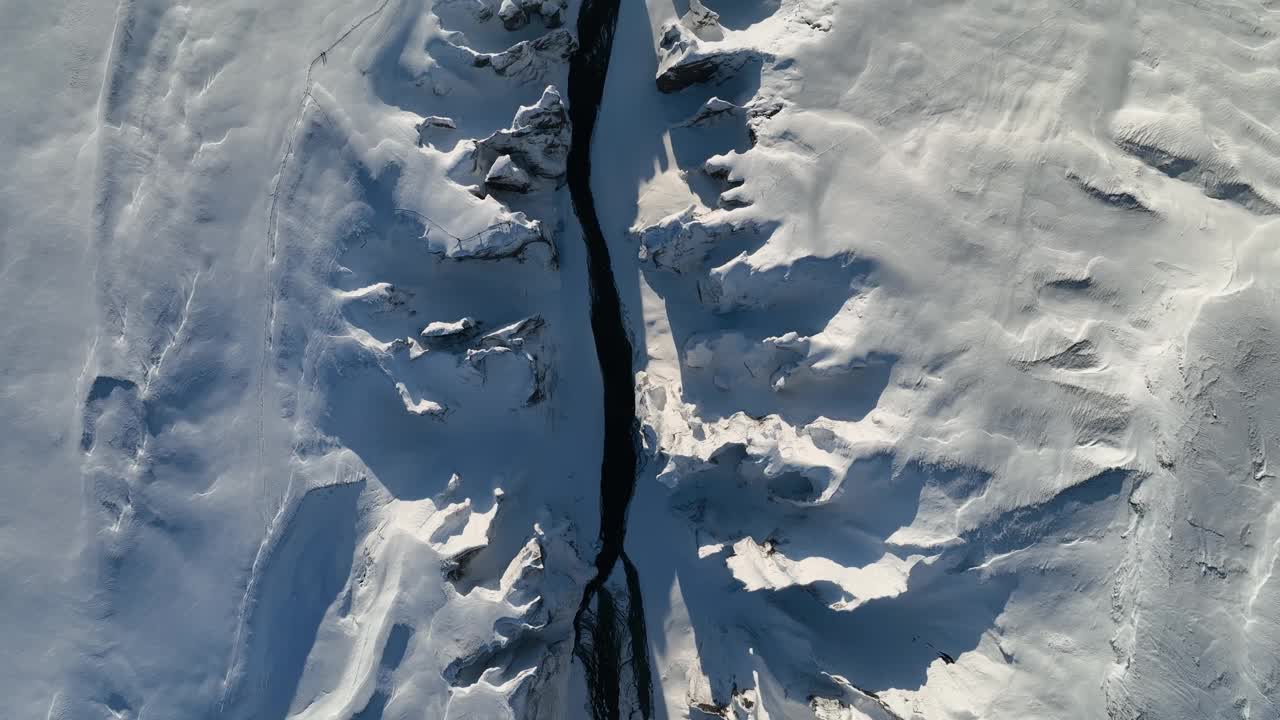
<point>956,360</point>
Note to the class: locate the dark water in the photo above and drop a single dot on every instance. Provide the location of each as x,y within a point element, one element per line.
<point>610,636</point>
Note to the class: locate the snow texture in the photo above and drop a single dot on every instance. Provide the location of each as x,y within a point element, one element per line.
<point>956,332</point>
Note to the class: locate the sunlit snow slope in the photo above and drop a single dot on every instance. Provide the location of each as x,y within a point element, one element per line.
<point>301,424</point>
<point>956,366</point>
<point>961,322</point>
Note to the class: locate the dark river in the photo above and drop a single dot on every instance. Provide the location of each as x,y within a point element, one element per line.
<point>609,626</point>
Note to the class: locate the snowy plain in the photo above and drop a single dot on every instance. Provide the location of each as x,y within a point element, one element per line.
<point>954,355</point>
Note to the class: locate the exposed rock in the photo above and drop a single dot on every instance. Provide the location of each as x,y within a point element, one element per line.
<point>716,110</point>
<point>430,122</point>
<point>513,335</point>
<point>515,14</point>
<point>703,21</point>
<point>522,337</point>
<point>506,175</point>
<point>420,406</point>
<point>530,60</point>
<point>1116,198</point>
<point>686,61</point>
<point>858,704</point>
<point>685,445</point>
<point>680,242</point>
<point>512,15</point>
<point>506,238</point>
<point>733,196</point>
<point>538,139</point>
<point>760,110</point>
<point>380,297</point>
<point>442,329</point>
<point>712,112</point>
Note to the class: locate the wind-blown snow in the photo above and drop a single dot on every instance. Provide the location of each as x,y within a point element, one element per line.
<point>956,359</point>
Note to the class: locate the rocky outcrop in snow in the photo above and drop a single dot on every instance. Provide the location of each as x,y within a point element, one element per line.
<point>420,406</point>
<point>679,243</point>
<point>506,175</point>
<point>758,111</point>
<point>523,338</point>
<point>712,112</point>
<point>444,330</point>
<point>415,554</point>
<point>378,296</point>
<point>508,236</point>
<point>432,123</point>
<point>686,60</point>
<point>537,143</point>
<point>515,14</point>
<point>530,60</point>
<point>513,335</point>
<point>716,111</point>
<point>703,21</point>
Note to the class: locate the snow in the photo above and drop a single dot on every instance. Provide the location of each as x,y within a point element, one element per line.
<point>538,138</point>
<point>515,14</point>
<point>942,383</point>
<point>444,329</point>
<point>711,112</point>
<point>234,239</point>
<point>530,60</point>
<point>955,330</point>
<point>506,175</point>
